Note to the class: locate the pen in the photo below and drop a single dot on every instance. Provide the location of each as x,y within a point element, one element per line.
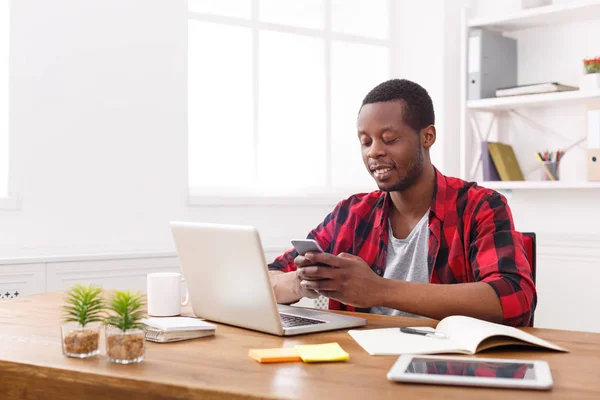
<point>413,331</point>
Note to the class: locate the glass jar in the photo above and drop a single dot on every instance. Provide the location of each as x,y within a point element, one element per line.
<point>125,347</point>
<point>80,342</point>
<point>550,171</point>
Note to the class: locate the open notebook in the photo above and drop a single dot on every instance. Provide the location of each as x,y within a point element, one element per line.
<point>465,335</point>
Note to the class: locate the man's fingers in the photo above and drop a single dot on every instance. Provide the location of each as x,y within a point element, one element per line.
<point>301,261</point>
<point>316,273</point>
<point>326,258</point>
<point>317,286</point>
<point>348,256</point>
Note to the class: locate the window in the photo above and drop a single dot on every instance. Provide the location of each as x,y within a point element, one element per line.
<point>274,87</point>
<point>4,77</point>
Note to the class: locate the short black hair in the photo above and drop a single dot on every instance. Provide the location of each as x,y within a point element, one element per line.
<point>418,111</point>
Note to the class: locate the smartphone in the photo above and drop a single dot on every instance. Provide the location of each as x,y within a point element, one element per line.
<point>304,246</point>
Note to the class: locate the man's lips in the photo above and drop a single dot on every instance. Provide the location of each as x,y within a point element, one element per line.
<point>382,172</point>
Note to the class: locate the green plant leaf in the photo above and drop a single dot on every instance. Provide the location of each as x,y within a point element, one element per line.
<point>126,310</point>
<point>83,304</point>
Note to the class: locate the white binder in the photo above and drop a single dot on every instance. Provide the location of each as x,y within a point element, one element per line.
<point>593,142</point>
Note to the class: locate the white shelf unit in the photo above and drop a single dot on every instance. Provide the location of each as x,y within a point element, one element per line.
<point>534,100</point>
<point>541,16</point>
<point>534,185</point>
<point>572,12</point>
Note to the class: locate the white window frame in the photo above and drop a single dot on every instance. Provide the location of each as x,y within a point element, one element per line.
<point>329,195</point>
<point>11,202</point>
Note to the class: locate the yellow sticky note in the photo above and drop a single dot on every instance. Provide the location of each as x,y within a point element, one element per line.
<point>322,352</point>
<point>274,355</point>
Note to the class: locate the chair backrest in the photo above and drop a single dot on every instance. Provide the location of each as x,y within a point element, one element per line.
<point>529,242</point>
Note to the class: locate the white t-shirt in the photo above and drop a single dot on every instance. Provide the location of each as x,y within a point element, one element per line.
<point>407,259</point>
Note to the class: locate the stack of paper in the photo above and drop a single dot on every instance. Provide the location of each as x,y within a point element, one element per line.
<point>173,329</point>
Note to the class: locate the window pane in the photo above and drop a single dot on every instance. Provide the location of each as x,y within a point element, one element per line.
<point>355,69</point>
<point>291,112</point>
<point>227,8</point>
<point>361,17</point>
<point>304,13</point>
<point>4,43</point>
<point>220,116</point>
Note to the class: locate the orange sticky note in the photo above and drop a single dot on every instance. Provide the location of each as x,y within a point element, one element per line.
<point>274,355</point>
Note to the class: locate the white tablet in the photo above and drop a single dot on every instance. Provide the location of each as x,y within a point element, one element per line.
<point>471,371</point>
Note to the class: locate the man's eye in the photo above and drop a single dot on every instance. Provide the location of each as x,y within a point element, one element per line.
<point>365,142</point>
<point>390,141</point>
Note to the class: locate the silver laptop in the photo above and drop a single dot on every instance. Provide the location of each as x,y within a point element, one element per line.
<point>227,278</point>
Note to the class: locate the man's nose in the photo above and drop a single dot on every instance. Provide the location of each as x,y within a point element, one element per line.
<point>376,150</point>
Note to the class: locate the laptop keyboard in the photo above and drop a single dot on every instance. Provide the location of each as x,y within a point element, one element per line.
<point>290,321</point>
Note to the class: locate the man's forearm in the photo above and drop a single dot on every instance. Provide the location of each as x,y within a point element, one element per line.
<point>476,300</point>
<point>285,286</point>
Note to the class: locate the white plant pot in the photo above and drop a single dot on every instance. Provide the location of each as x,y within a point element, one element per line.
<point>590,82</point>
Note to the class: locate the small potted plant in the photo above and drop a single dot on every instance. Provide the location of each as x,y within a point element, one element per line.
<point>82,317</point>
<point>591,79</point>
<point>125,336</point>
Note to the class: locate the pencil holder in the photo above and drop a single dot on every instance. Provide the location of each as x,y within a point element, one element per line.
<point>550,171</point>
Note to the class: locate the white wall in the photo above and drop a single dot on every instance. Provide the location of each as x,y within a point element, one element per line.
<point>99,125</point>
<point>427,34</point>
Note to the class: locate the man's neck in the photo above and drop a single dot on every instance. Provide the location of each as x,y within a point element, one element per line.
<point>416,200</point>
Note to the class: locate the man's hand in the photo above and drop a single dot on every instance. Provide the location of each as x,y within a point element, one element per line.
<point>287,287</point>
<point>301,290</point>
<point>347,278</point>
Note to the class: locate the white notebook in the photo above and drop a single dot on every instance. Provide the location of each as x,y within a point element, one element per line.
<point>174,329</point>
<point>170,324</point>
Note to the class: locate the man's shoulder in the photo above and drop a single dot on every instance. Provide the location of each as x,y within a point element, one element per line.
<point>367,198</point>
<point>471,192</point>
<point>361,205</point>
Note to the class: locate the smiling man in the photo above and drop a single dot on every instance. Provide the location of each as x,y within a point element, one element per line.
<point>424,244</point>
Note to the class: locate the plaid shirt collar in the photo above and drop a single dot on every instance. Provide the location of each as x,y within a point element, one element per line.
<point>438,204</point>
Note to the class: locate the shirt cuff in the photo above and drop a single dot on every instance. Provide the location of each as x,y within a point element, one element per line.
<point>516,310</point>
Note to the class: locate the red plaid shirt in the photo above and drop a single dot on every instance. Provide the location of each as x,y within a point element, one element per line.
<point>471,239</point>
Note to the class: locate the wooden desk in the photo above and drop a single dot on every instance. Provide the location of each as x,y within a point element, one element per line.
<point>33,367</point>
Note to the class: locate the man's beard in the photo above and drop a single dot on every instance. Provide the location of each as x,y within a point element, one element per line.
<point>415,168</point>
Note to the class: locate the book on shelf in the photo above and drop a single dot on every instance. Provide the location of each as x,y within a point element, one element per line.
<point>490,173</point>
<point>454,334</point>
<point>174,329</point>
<point>537,88</point>
<point>505,161</point>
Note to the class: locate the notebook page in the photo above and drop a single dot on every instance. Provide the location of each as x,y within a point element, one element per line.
<point>469,333</point>
<point>390,341</point>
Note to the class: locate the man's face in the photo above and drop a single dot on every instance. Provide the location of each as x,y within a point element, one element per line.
<point>391,150</point>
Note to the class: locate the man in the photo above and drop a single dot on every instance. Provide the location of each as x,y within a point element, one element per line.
<point>424,244</point>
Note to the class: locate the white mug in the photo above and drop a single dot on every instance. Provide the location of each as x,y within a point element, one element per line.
<point>164,294</point>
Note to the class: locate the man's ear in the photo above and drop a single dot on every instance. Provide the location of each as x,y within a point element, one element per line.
<point>428,136</point>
